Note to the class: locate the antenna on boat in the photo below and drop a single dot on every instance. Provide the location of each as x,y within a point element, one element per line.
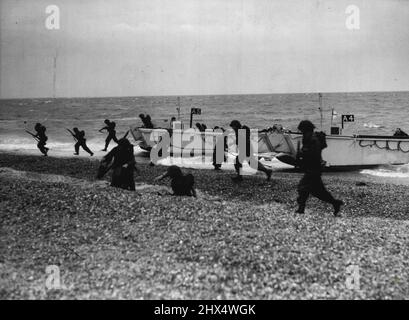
<point>332,116</point>
<point>178,108</point>
<point>320,107</point>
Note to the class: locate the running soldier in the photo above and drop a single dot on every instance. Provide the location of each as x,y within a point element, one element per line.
<point>309,159</point>
<point>110,128</point>
<point>79,136</point>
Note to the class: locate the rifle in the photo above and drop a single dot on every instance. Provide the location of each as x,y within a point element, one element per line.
<point>126,134</point>
<point>72,133</point>
<point>32,134</point>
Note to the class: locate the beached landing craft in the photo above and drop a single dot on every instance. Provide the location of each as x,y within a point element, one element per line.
<point>343,151</point>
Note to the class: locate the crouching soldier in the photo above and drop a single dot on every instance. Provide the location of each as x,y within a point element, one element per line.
<point>122,162</point>
<point>310,161</point>
<point>182,185</point>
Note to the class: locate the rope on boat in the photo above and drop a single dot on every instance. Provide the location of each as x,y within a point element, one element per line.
<point>386,147</point>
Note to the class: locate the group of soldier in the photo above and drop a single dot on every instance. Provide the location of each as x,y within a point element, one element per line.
<point>121,161</point>
<point>309,160</point>
<point>78,135</point>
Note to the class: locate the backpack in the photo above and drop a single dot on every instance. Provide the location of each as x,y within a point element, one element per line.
<point>321,136</point>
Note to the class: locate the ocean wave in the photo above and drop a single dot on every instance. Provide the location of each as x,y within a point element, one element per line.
<point>396,171</point>
<point>373,125</point>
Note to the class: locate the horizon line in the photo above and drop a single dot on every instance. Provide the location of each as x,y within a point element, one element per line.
<point>202,95</point>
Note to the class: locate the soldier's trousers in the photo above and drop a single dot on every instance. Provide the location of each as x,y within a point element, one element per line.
<point>311,183</point>
<point>238,165</point>
<point>83,145</point>
<point>123,178</point>
<point>41,146</point>
<point>217,164</point>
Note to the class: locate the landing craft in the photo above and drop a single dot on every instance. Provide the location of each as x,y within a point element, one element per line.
<point>343,151</point>
<point>347,151</point>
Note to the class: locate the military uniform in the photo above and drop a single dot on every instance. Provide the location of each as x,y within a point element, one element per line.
<point>310,161</point>
<point>123,154</point>
<point>182,185</point>
<point>248,153</point>
<point>81,142</point>
<point>110,128</point>
<point>42,138</point>
<point>217,164</point>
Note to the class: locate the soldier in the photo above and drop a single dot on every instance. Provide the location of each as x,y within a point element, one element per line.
<point>122,162</point>
<point>146,120</point>
<point>182,185</point>
<point>41,138</point>
<point>110,128</point>
<point>310,161</point>
<point>173,119</point>
<point>199,127</point>
<point>79,136</point>
<point>246,150</point>
<point>218,164</point>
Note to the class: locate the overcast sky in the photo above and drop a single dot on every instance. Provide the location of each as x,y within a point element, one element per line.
<point>180,47</point>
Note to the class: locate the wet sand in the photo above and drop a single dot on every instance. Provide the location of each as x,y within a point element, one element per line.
<point>238,241</point>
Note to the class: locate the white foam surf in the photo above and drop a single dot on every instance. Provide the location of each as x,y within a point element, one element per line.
<point>391,171</point>
<point>372,125</point>
<point>206,162</point>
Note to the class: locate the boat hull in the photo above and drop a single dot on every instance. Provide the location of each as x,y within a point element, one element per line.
<point>181,141</point>
<point>341,152</point>
<point>353,151</point>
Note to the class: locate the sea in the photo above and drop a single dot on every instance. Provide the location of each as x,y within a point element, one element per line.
<point>374,113</point>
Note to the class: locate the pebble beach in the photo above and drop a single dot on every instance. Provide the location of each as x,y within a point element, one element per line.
<point>235,241</point>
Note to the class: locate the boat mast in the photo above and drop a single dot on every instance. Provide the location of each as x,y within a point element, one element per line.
<point>332,116</point>
<point>55,72</point>
<point>320,108</point>
<point>178,108</point>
